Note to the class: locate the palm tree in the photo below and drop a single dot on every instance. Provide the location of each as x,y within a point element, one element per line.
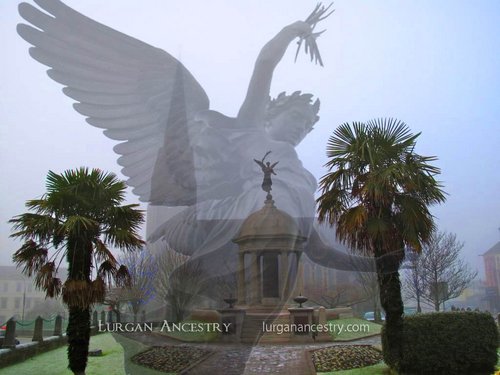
<point>377,194</point>
<point>78,218</point>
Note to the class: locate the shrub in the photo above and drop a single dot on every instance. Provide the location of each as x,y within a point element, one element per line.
<point>447,343</point>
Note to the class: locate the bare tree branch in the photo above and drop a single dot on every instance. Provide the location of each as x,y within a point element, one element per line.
<point>179,282</point>
<point>143,269</point>
<point>438,274</point>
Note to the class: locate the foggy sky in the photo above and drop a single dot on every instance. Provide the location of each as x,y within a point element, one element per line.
<point>434,65</point>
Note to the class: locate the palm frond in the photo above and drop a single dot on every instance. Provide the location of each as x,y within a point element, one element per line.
<point>34,226</point>
<point>102,252</point>
<point>40,206</point>
<point>98,290</point>
<point>124,239</point>
<point>31,257</point>
<point>123,277</point>
<point>390,132</point>
<point>53,287</point>
<point>374,165</point>
<point>107,270</point>
<point>76,224</point>
<point>333,202</point>
<point>125,217</point>
<point>45,280</point>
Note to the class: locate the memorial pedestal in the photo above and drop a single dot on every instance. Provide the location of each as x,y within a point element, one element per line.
<point>233,317</point>
<point>301,319</point>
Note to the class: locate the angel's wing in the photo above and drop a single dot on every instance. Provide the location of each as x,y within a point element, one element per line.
<point>261,164</point>
<point>137,93</point>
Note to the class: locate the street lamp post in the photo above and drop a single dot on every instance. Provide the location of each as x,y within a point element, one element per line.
<point>24,297</point>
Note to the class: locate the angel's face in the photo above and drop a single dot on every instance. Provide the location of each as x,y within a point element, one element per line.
<point>292,125</point>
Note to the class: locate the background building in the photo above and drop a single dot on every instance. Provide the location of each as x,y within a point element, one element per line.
<point>492,272</point>
<point>20,298</point>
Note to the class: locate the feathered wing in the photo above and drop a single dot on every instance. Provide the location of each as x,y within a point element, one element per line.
<point>137,93</point>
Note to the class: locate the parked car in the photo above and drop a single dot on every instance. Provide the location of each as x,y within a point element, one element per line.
<point>370,316</point>
<point>410,311</point>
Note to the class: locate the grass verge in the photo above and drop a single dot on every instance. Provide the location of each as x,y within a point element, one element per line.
<point>131,348</point>
<point>353,329</point>
<point>55,362</point>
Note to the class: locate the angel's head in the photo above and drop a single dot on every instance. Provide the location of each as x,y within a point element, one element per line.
<point>290,117</point>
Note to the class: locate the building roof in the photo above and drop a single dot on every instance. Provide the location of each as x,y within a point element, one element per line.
<point>495,250</point>
<point>269,221</point>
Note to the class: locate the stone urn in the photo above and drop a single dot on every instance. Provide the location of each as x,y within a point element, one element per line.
<point>230,301</point>
<point>300,300</point>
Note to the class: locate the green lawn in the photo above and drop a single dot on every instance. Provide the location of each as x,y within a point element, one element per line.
<point>131,348</point>
<point>55,362</point>
<point>365,328</point>
<point>498,362</point>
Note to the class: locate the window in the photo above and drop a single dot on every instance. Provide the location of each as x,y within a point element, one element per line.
<point>30,287</point>
<point>3,302</point>
<point>5,287</point>
<point>28,303</point>
<point>19,287</point>
<point>17,303</point>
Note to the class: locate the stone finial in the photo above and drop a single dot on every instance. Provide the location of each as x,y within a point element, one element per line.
<point>9,341</point>
<point>38,332</point>
<point>58,325</point>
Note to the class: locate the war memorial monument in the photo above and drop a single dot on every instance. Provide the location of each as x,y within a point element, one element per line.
<point>230,193</point>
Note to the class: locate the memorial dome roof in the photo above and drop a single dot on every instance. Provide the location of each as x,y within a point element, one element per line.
<point>269,221</point>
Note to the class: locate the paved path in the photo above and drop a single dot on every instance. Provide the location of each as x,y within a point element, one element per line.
<point>241,359</point>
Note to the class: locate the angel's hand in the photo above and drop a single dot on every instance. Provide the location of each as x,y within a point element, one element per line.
<point>301,28</point>
<point>308,35</point>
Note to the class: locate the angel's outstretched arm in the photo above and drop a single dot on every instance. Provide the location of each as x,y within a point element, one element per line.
<point>327,256</point>
<point>253,109</point>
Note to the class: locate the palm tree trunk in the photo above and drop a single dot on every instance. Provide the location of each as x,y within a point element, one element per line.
<point>78,330</point>
<point>392,303</point>
<point>78,333</point>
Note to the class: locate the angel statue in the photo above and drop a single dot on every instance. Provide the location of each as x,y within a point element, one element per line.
<point>268,170</point>
<point>193,165</point>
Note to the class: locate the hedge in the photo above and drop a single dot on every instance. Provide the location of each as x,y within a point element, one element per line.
<point>447,343</point>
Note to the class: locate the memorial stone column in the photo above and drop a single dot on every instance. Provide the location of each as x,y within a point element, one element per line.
<point>241,279</point>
